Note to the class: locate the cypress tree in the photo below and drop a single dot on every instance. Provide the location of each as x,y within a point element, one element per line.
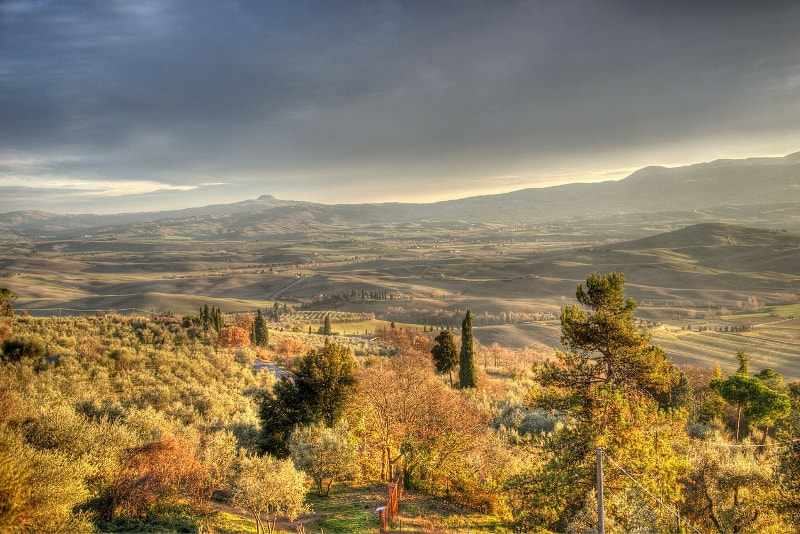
<point>205,318</point>
<point>217,319</point>
<point>467,376</point>
<point>260,334</point>
<point>326,328</point>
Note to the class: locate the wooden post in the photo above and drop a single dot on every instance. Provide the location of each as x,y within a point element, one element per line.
<point>601,521</point>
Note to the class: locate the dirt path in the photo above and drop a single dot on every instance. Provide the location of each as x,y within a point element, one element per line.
<point>288,286</point>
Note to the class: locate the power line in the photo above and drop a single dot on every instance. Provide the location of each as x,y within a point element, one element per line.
<point>648,492</point>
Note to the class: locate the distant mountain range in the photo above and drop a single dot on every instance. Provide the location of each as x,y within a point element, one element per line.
<point>758,192</point>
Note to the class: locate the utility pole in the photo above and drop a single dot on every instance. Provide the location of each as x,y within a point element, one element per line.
<point>601,520</point>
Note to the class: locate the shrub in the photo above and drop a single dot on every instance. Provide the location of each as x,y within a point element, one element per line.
<point>28,347</point>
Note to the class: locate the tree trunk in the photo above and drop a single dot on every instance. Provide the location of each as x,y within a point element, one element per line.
<point>257,519</point>
<point>738,421</point>
<point>764,437</point>
<point>711,513</point>
<point>384,462</point>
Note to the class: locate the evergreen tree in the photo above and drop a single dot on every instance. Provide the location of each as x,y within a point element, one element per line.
<point>467,376</point>
<point>326,327</point>
<point>605,383</point>
<point>279,413</point>
<point>445,355</point>
<point>326,382</point>
<point>753,397</point>
<point>321,390</point>
<point>216,319</point>
<point>607,351</point>
<point>205,318</point>
<point>260,333</point>
<point>712,409</point>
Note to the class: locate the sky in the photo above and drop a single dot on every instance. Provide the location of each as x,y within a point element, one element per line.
<point>141,105</point>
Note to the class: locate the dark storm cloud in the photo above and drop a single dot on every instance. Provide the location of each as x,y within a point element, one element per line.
<point>322,100</point>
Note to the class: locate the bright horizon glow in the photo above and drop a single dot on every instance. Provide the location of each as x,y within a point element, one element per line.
<point>94,192</point>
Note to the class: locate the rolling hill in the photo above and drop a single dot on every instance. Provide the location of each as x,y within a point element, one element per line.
<point>758,192</point>
<point>703,246</point>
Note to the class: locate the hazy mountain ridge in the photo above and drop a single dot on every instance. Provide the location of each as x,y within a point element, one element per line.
<point>763,190</point>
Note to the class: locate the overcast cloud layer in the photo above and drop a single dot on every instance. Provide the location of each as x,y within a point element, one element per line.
<point>142,105</point>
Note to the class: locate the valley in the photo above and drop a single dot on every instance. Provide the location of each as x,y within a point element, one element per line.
<point>706,275</point>
<point>706,249</point>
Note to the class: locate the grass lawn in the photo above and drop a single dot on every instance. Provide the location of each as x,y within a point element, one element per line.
<point>232,523</point>
<point>351,510</point>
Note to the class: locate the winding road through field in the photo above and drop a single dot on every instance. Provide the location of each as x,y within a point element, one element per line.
<point>288,286</point>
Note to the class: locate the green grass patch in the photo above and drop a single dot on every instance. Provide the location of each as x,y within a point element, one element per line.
<point>179,518</point>
<point>786,310</point>
<point>360,327</point>
<point>372,326</point>
<point>347,509</point>
<point>227,523</point>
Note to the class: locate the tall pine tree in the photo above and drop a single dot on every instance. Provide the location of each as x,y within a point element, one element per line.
<point>606,385</point>
<point>466,373</point>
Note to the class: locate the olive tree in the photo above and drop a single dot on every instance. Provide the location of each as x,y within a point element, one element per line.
<point>326,454</point>
<point>267,486</point>
<point>732,489</point>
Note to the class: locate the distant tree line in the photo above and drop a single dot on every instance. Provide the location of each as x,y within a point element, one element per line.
<point>363,295</point>
<point>211,318</point>
<point>337,316</point>
<point>450,319</point>
<point>726,328</point>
